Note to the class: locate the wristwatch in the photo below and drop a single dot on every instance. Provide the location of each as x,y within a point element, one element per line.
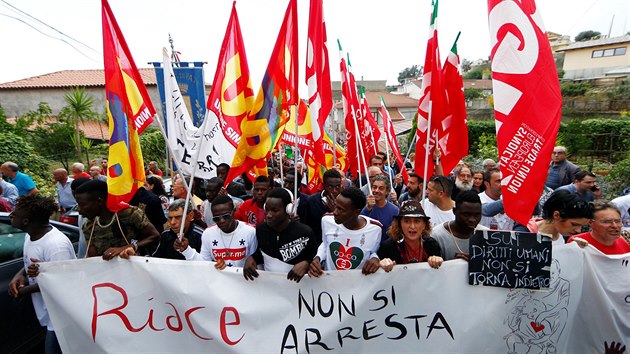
<point>134,245</point>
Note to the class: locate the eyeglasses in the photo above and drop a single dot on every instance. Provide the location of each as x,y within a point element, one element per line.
<point>226,216</point>
<point>610,222</point>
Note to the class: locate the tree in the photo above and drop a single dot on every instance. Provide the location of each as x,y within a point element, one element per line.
<point>586,35</point>
<point>54,142</point>
<point>474,74</point>
<point>473,93</point>
<point>466,65</point>
<point>79,109</point>
<point>413,71</point>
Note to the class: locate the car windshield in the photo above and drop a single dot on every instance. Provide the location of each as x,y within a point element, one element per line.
<point>11,242</point>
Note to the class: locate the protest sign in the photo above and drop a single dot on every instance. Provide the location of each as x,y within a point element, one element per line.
<point>509,259</point>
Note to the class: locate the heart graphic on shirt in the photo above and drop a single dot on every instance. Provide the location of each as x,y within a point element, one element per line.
<point>537,327</point>
<point>345,258</point>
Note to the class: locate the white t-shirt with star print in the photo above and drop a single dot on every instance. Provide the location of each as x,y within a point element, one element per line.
<point>343,249</point>
<point>233,248</point>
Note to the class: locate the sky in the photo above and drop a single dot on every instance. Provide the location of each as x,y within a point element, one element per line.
<point>382,37</point>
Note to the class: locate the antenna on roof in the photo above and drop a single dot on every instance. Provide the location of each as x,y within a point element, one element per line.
<point>611,23</point>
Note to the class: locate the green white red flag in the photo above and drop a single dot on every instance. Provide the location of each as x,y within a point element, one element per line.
<point>431,104</point>
<point>352,111</point>
<point>370,134</point>
<point>527,102</point>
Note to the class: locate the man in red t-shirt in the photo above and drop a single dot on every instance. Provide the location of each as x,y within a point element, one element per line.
<point>605,234</point>
<point>252,211</point>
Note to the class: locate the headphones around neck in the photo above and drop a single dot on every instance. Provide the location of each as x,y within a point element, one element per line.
<point>289,208</point>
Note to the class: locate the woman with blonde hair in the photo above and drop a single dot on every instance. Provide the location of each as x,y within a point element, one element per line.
<point>409,240</point>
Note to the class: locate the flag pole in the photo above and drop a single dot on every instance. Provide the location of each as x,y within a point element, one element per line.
<point>192,175</point>
<point>391,182</point>
<point>334,147</point>
<point>426,152</point>
<point>280,151</point>
<point>170,149</point>
<point>295,159</point>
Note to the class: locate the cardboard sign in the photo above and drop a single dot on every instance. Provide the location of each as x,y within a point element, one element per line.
<point>509,259</point>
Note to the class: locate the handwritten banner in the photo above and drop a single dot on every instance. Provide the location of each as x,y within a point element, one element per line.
<point>509,259</point>
<point>152,305</point>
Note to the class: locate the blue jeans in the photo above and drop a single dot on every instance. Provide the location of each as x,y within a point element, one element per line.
<point>51,345</point>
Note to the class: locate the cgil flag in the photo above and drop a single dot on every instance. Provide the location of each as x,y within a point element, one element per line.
<point>527,102</point>
<point>390,134</point>
<point>318,78</point>
<point>370,134</point>
<point>453,141</point>
<point>261,129</point>
<point>129,112</point>
<point>431,103</point>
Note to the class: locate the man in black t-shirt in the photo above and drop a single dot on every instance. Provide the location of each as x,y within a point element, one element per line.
<point>283,245</point>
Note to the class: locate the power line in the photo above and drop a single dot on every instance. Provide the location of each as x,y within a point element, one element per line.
<point>49,26</point>
<point>48,35</point>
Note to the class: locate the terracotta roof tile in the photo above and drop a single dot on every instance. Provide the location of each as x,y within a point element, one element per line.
<point>73,78</point>
<point>479,84</point>
<point>91,129</point>
<point>391,100</point>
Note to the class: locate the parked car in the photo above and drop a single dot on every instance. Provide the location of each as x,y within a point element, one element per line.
<point>20,330</point>
<point>71,216</point>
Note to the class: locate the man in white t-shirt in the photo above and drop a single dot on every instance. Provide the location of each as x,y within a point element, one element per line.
<point>492,181</point>
<point>42,243</point>
<point>438,204</point>
<point>229,242</point>
<point>349,240</point>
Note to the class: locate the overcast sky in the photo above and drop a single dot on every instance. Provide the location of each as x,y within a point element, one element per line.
<point>382,37</point>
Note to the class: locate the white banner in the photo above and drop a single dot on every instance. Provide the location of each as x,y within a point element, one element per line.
<point>185,138</point>
<point>154,305</point>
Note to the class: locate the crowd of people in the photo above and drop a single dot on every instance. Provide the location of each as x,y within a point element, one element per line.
<point>349,223</point>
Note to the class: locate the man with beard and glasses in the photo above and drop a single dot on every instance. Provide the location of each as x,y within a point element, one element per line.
<point>463,181</point>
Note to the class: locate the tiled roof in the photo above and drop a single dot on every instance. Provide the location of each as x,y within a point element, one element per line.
<point>91,129</point>
<point>478,84</point>
<point>391,100</point>
<point>596,43</point>
<point>72,78</point>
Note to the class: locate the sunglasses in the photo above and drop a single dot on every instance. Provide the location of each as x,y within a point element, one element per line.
<point>226,216</point>
<point>438,180</point>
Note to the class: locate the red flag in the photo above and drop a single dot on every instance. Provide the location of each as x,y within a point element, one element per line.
<point>261,130</point>
<point>370,134</point>
<point>431,103</point>
<point>352,110</point>
<point>129,111</point>
<point>453,140</point>
<point>388,127</point>
<point>527,102</point>
<point>318,77</point>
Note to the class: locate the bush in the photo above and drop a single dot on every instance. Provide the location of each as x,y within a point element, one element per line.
<point>476,130</point>
<point>17,149</point>
<point>573,89</point>
<point>617,178</point>
<point>153,146</point>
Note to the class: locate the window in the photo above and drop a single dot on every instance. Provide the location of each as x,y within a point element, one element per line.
<point>609,52</point>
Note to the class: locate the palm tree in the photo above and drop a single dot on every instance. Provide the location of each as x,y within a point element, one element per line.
<point>78,109</point>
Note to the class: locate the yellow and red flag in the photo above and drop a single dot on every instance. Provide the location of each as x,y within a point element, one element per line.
<point>129,111</point>
<point>261,130</point>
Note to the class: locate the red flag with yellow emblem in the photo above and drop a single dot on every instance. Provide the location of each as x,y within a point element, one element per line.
<point>129,111</point>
